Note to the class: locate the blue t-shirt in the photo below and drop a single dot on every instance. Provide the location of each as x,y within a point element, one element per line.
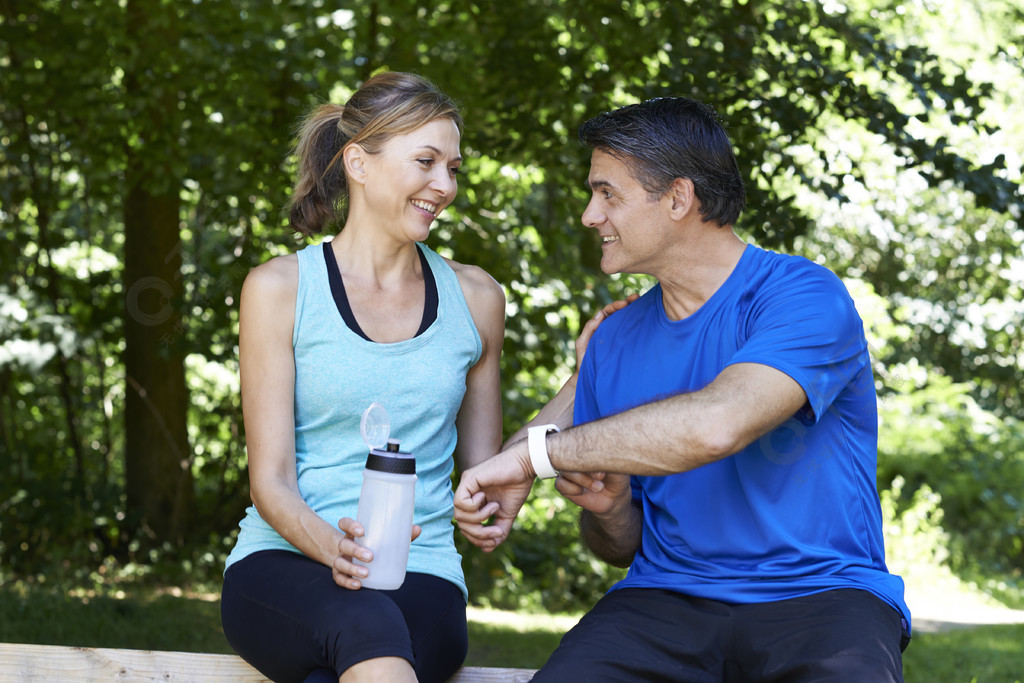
<point>796,512</point>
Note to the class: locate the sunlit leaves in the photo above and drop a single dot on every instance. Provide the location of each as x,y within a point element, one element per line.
<point>864,146</point>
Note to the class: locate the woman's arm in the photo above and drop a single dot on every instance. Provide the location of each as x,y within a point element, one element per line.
<point>559,410</point>
<point>479,420</point>
<point>267,366</point>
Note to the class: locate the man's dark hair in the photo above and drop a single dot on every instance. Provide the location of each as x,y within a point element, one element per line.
<point>668,138</point>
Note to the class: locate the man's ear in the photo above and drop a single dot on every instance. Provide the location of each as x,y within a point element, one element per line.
<point>682,198</point>
<point>354,158</point>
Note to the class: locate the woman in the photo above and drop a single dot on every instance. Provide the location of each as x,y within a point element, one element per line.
<point>372,315</point>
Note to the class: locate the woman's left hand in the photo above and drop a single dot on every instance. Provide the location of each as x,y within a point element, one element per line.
<point>346,572</point>
<point>591,325</point>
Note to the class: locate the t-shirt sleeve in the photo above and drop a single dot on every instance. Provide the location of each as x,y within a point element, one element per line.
<point>585,408</point>
<point>585,405</point>
<point>805,324</point>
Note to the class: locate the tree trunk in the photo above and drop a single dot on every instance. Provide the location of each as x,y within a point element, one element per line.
<point>158,457</point>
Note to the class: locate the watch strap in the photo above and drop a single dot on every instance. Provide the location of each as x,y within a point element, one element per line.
<point>537,442</point>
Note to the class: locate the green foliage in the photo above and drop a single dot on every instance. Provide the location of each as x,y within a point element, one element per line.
<point>863,149</point>
<point>935,436</point>
<point>915,542</point>
<point>950,471</point>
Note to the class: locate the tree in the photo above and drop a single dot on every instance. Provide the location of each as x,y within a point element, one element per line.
<point>158,463</point>
<point>171,122</point>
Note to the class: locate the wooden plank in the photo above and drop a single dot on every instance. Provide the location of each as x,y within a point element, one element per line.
<point>473,674</point>
<point>48,663</point>
<point>41,663</point>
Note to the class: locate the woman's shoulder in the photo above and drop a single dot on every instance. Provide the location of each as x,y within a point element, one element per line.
<point>476,281</point>
<point>278,277</point>
<point>267,303</point>
<point>484,296</point>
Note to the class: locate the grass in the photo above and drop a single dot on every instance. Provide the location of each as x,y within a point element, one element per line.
<point>983,654</point>
<point>512,639</point>
<point>170,620</point>
<point>148,620</point>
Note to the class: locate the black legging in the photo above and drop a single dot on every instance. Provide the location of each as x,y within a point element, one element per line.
<point>283,613</point>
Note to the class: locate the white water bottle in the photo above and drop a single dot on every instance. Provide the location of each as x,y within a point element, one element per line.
<point>386,504</point>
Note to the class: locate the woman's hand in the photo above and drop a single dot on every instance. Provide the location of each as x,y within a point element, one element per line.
<point>591,325</point>
<point>346,572</point>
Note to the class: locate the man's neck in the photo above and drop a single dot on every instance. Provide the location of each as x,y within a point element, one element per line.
<point>705,265</point>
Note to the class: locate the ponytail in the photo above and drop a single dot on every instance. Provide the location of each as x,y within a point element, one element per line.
<point>321,183</point>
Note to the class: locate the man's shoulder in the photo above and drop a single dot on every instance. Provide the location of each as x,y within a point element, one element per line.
<point>777,265</point>
<point>798,294</point>
<point>773,275</point>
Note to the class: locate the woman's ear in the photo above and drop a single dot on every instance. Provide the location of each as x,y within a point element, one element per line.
<point>682,197</point>
<point>354,158</point>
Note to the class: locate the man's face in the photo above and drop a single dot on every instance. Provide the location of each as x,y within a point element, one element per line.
<point>633,227</point>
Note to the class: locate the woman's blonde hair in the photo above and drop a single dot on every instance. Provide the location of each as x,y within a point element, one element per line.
<point>390,103</point>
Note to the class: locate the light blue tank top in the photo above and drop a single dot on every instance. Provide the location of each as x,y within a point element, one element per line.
<point>420,382</point>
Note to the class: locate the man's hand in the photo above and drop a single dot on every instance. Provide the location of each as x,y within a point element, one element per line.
<point>610,522</point>
<point>496,488</point>
<point>598,492</point>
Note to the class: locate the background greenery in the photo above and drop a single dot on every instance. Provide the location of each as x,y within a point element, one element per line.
<point>145,162</point>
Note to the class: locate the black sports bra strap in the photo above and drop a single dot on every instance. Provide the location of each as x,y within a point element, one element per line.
<point>430,303</point>
<point>341,298</point>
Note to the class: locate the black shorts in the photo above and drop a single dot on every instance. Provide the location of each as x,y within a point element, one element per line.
<point>646,634</point>
<point>283,613</point>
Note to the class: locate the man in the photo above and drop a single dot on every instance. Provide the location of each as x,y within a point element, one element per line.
<point>728,420</point>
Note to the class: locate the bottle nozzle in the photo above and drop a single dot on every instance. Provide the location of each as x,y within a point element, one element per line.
<point>392,446</point>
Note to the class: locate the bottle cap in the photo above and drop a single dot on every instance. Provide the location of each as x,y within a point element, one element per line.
<point>375,427</point>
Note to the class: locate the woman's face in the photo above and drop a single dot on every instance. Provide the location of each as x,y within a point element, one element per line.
<point>413,178</point>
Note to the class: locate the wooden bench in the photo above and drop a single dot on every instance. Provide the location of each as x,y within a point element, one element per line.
<point>49,663</point>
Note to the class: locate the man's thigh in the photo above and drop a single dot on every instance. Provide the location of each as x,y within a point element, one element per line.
<point>643,634</point>
<point>838,635</point>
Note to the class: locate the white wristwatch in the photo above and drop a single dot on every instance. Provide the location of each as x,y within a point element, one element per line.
<point>537,442</point>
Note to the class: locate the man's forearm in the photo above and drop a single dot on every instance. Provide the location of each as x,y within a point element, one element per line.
<point>646,440</point>
<point>682,432</point>
<point>613,539</point>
